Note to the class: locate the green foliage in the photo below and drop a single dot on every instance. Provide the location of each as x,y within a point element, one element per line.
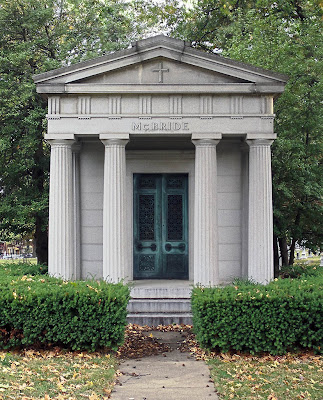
<point>23,268</point>
<point>36,36</point>
<point>284,36</point>
<point>159,16</point>
<point>300,270</point>
<point>284,315</point>
<point>77,315</point>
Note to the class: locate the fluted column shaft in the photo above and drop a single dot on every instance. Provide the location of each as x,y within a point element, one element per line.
<point>76,148</point>
<point>260,221</point>
<point>114,213</point>
<point>61,229</point>
<point>206,270</point>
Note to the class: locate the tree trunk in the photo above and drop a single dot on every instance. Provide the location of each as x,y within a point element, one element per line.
<point>283,250</point>
<point>41,242</point>
<point>276,257</point>
<point>292,252</point>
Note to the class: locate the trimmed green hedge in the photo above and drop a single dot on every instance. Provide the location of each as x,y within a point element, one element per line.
<point>78,315</point>
<point>284,315</point>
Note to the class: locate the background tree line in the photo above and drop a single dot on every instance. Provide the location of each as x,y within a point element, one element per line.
<point>283,36</point>
<point>37,36</point>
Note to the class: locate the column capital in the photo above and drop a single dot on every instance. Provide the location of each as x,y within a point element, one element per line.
<point>61,142</point>
<point>114,142</point>
<point>259,142</point>
<point>205,142</point>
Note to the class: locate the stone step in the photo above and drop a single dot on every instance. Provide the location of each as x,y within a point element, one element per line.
<point>161,292</point>
<point>160,302</point>
<point>152,319</point>
<point>159,306</point>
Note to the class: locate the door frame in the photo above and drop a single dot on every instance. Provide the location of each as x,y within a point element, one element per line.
<point>163,245</point>
<point>158,162</point>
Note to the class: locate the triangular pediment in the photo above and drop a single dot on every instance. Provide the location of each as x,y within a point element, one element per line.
<point>159,60</point>
<point>161,70</point>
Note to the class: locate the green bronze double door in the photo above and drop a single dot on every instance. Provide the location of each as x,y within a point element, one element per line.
<point>160,226</point>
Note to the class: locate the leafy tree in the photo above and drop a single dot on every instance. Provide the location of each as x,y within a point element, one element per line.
<point>36,36</point>
<point>284,36</point>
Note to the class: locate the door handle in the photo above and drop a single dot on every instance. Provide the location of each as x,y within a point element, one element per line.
<point>153,247</point>
<point>169,247</point>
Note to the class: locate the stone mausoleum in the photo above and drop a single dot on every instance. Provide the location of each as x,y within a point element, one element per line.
<point>161,167</point>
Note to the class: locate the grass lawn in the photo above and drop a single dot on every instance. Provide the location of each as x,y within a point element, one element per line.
<point>60,375</point>
<point>54,374</point>
<point>287,377</point>
<point>19,261</point>
<point>313,260</point>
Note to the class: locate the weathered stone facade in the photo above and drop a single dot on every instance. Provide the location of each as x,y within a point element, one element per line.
<point>161,107</point>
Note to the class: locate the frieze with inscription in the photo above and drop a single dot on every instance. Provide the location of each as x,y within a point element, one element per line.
<point>169,126</point>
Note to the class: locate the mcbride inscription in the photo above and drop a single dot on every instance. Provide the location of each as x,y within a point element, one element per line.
<point>159,126</point>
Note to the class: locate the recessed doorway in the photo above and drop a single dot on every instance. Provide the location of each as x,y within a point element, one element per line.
<point>160,226</point>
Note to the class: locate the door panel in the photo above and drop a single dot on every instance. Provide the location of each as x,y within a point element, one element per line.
<point>147,239</point>
<point>160,226</point>
<point>175,232</point>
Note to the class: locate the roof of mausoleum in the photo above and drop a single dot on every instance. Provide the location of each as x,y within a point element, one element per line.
<point>118,69</point>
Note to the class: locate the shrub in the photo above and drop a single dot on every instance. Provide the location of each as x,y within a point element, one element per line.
<point>78,315</point>
<point>284,315</point>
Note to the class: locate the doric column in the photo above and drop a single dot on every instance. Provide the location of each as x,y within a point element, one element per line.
<point>244,208</point>
<point>114,213</point>
<point>76,148</point>
<point>260,226</point>
<point>206,270</point>
<point>61,229</point>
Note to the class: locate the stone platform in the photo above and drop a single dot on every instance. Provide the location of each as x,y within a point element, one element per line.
<point>161,302</point>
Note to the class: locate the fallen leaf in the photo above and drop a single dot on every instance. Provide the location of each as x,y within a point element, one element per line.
<point>107,390</point>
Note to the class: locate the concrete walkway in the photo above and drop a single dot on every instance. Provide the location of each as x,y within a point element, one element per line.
<point>168,376</point>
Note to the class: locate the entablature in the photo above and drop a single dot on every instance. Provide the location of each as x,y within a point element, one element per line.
<point>254,126</point>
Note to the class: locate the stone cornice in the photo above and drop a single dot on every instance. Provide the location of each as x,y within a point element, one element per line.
<point>100,88</point>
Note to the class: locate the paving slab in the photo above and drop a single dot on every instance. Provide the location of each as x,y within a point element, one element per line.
<point>171,375</point>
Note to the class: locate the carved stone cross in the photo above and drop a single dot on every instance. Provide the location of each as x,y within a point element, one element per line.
<point>161,71</point>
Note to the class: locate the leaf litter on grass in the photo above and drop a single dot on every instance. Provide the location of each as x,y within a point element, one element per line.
<point>57,374</point>
<point>290,377</point>
<point>243,376</point>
